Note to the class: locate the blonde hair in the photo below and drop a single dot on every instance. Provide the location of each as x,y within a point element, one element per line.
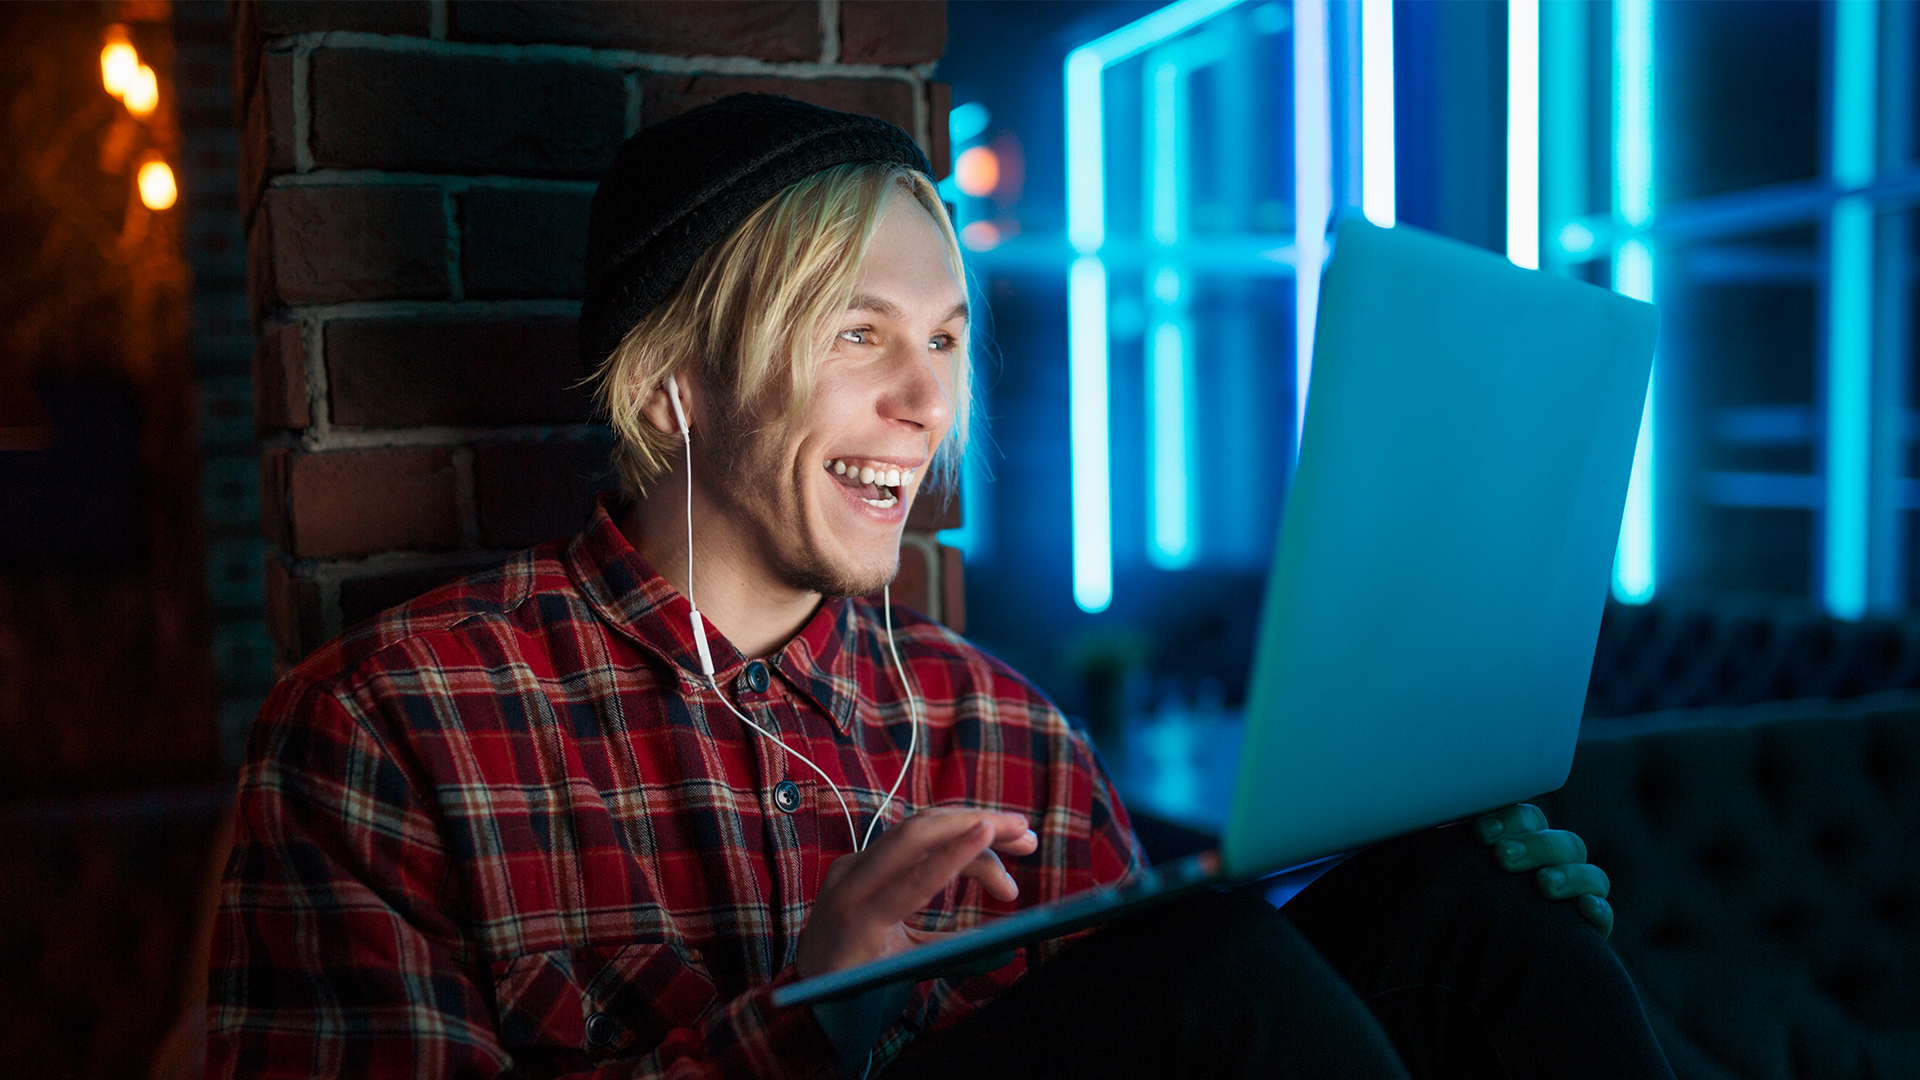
<point>763,303</point>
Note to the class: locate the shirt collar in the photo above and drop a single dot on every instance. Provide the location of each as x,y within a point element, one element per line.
<point>629,595</point>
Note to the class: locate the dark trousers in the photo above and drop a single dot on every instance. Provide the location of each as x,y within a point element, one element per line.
<point>1415,958</point>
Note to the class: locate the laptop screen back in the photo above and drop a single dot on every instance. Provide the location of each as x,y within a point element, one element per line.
<point>1444,557</point>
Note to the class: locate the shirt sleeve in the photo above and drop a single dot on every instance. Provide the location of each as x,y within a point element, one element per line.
<point>335,954</point>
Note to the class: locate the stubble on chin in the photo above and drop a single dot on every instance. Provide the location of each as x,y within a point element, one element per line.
<point>747,457</point>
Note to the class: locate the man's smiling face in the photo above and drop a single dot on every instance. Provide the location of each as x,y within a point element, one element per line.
<point>824,498</point>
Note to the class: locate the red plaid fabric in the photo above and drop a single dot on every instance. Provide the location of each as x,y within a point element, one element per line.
<point>505,828</point>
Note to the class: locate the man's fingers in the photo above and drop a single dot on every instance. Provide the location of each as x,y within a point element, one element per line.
<point>1574,879</point>
<point>987,869</point>
<point>906,845</point>
<point>1531,850</point>
<point>926,871</point>
<point>1026,843</point>
<point>1596,911</point>
<point>1508,820</point>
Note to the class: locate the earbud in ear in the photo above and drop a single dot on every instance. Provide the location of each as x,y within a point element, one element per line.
<point>673,395</point>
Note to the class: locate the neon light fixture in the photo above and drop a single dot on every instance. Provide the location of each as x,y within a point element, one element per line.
<point>1170,540</point>
<point>1087,430</point>
<point>1846,520</point>
<point>1087,285</point>
<point>1633,564</point>
<point>1376,112</point>
<point>1523,133</point>
<point>1170,537</point>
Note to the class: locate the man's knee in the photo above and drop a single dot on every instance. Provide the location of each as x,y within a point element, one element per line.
<point>1438,885</point>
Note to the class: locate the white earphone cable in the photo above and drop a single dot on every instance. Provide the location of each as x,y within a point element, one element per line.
<point>698,626</point>
<point>913,720</point>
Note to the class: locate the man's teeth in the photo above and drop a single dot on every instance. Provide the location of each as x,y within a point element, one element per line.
<point>867,474</point>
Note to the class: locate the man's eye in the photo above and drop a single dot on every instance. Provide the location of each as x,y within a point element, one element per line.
<point>858,337</point>
<point>941,343</point>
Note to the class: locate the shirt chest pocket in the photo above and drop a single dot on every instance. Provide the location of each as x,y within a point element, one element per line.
<point>565,1010</point>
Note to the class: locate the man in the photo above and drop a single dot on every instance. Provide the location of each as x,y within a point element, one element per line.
<point>547,820</point>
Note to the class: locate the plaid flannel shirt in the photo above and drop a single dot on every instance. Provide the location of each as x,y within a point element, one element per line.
<point>506,828</point>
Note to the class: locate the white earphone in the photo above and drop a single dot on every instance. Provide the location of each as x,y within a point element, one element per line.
<point>706,659</point>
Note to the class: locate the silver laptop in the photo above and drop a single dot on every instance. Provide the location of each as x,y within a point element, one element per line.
<point>1438,581</point>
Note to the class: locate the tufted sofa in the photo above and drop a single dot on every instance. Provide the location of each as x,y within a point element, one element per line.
<point>1741,650</point>
<point>1766,868</point>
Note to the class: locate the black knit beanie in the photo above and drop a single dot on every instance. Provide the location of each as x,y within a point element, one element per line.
<point>682,185</point>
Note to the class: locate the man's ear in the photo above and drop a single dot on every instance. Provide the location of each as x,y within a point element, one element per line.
<point>658,408</point>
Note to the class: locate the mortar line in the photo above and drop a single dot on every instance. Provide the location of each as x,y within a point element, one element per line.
<point>456,282</point>
<point>830,31</point>
<point>446,435</point>
<point>319,399</point>
<point>364,309</point>
<point>302,109</point>
<point>662,63</point>
<point>437,19</point>
<point>457,182</point>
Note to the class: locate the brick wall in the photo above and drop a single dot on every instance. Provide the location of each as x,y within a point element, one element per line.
<point>415,178</point>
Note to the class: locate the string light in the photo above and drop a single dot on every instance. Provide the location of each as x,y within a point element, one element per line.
<point>157,189</point>
<point>143,93</point>
<point>119,63</point>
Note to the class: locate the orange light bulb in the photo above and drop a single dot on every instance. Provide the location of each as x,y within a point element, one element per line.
<point>977,172</point>
<point>143,94</point>
<point>119,63</point>
<point>157,189</point>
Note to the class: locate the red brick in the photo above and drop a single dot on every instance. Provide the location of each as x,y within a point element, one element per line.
<point>277,18</point>
<point>932,510</point>
<point>376,242</point>
<point>909,585</point>
<point>357,502</point>
<point>244,39</point>
<point>280,380</point>
<point>366,595</point>
<point>953,590</point>
<point>523,242</point>
<point>768,31</point>
<point>266,130</point>
<point>939,104</point>
<point>527,493</point>
<point>294,618</point>
<point>663,96</point>
<point>387,373</point>
<point>925,573</point>
<point>428,113</point>
<point>892,31</point>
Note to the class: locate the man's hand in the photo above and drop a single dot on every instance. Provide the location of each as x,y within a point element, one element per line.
<point>1522,842</point>
<point>860,913</point>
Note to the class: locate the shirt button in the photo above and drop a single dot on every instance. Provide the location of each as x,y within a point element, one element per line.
<point>601,1030</point>
<point>786,796</point>
<point>754,679</point>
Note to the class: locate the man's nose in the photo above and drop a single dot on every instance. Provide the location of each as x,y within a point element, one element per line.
<point>920,390</point>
